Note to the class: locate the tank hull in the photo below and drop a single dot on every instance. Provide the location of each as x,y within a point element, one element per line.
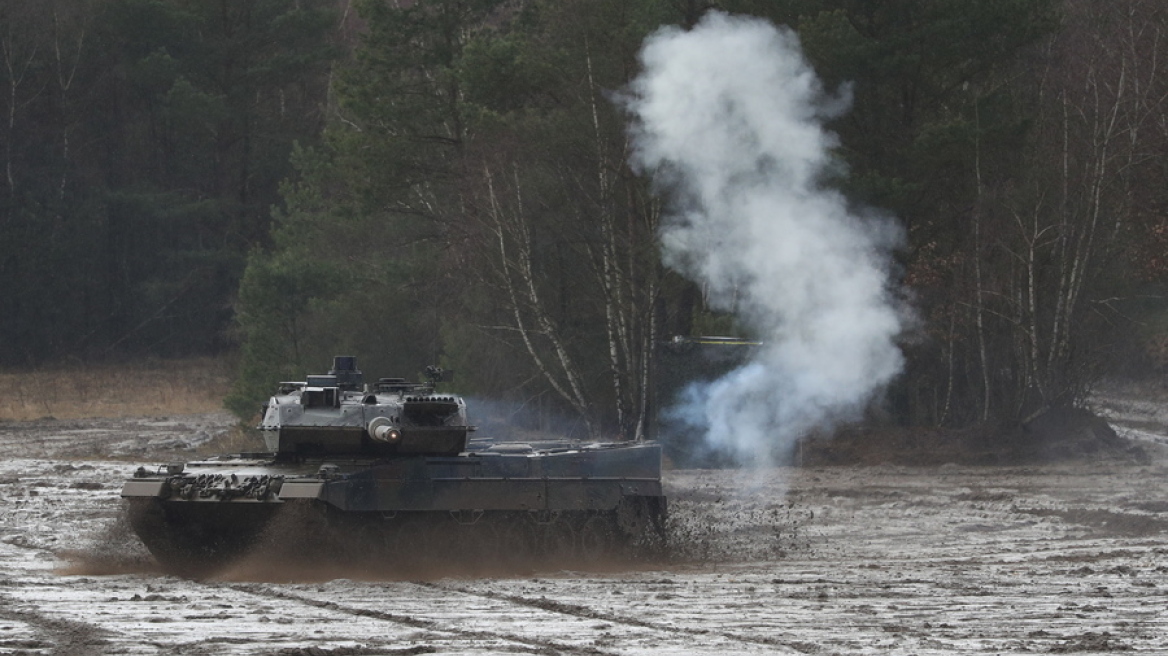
<point>499,504</point>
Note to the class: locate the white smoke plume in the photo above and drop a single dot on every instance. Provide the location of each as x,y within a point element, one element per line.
<point>728,117</point>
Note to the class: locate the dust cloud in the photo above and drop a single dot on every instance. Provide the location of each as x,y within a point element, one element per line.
<point>728,119</point>
<point>115,549</point>
<point>295,547</point>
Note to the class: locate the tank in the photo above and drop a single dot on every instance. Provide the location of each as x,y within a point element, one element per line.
<point>388,473</point>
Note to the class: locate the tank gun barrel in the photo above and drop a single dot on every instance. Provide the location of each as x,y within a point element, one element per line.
<point>383,430</point>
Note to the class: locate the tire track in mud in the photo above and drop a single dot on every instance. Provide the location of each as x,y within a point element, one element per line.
<point>531,645</point>
<point>584,612</point>
<point>63,637</point>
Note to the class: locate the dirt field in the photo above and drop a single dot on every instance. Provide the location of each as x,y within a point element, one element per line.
<point>1064,558</point>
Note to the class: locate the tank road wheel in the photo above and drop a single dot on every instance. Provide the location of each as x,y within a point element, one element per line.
<point>429,539</point>
<point>598,539</point>
<point>364,541</point>
<point>302,532</point>
<point>403,535</point>
<point>408,541</point>
<point>558,543</point>
<point>518,539</point>
<point>476,543</point>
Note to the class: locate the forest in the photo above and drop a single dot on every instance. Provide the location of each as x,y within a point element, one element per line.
<point>449,182</point>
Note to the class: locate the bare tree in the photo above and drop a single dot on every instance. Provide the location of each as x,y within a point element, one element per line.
<point>20,47</point>
<point>1062,230</point>
<point>532,319</point>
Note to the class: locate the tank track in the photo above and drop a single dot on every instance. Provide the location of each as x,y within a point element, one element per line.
<point>199,540</point>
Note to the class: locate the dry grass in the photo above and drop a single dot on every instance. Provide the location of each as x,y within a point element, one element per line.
<point>161,387</point>
<point>236,439</point>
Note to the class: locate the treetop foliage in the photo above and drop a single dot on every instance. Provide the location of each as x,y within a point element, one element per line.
<point>447,182</point>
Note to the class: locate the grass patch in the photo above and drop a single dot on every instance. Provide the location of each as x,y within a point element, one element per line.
<point>157,387</point>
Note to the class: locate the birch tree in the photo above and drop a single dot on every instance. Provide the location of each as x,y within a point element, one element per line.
<point>589,213</point>
<point>1069,226</point>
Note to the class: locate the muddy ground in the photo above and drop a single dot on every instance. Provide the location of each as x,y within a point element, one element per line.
<point>1069,557</point>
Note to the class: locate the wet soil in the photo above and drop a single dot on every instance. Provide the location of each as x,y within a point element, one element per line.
<point>1061,556</point>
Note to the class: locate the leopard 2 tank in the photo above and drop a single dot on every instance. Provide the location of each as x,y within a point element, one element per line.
<point>388,472</point>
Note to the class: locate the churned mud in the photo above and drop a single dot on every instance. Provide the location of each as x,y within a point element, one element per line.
<point>1070,557</point>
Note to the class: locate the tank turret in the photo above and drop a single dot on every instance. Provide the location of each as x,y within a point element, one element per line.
<point>337,413</point>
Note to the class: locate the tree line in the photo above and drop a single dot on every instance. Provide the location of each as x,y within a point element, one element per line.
<point>447,182</point>
<point>143,146</point>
